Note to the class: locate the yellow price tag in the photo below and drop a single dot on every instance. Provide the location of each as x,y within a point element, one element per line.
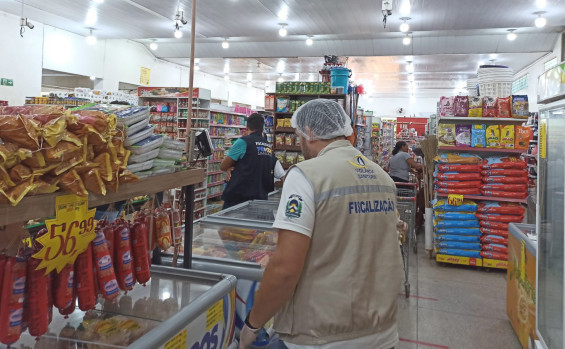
<point>68,235</point>
<point>455,199</point>
<point>178,341</point>
<point>543,139</point>
<point>215,314</point>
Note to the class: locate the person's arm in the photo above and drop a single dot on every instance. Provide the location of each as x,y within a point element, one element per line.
<point>235,154</point>
<point>279,171</point>
<point>227,164</point>
<point>414,164</point>
<point>280,277</point>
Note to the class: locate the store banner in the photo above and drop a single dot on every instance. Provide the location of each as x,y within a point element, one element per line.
<point>68,235</point>
<point>145,76</point>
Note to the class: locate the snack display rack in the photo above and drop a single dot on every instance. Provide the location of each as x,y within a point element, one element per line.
<point>364,131</point>
<point>482,152</point>
<point>383,142</point>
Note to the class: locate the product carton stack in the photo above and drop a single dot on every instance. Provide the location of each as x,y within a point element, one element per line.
<point>457,230</point>
<point>458,174</point>
<point>494,218</point>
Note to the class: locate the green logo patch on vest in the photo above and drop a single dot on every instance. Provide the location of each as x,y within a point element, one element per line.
<point>294,206</point>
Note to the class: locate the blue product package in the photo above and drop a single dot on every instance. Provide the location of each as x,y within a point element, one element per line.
<point>442,205</point>
<point>460,231</point>
<point>479,136</point>
<point>461,253</point>
<point>148,144</point>
<point>456,224</point>
<point>455,215</point>
<point>458,238</point>
<point>473,246</point>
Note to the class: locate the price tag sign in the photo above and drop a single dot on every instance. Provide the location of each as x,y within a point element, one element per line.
<point>455,199</point>
<point>178,342</point>
<point>68,235</point>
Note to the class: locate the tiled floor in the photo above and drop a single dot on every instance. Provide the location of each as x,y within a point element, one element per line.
<point>454,307</point>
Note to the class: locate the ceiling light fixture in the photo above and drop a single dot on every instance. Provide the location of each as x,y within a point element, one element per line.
<point>225,44</point>
<point>226,67</point>
<point>411,77</point>
<point>153,46</point>
<point>280,66</point>
<point>283,32</point>
<point>196,67</point>
<point>297,77</point>
<point>407,40</point>
<point>249,84</point>
<point>91,39</point>
<point>511,36</point>
<point>309,41</point>
<point>178,32</point>
<point>540,20</point>
<point>405,8</point>
<point>249,76</point>
<point>405,27</point>
<point>493,56</point>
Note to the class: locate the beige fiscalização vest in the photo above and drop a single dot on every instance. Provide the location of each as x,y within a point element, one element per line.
<point>353,272</point>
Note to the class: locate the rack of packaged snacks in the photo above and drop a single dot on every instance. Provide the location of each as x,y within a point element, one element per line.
<point>384,143</point>
<point>364,131</point>
<point>479,164</point>
<point>288,98</point>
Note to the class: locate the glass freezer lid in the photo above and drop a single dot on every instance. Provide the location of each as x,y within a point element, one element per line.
<point>256,210</point>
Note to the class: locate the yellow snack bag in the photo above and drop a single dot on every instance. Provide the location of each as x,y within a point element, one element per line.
<point>493,136</point>
<point>507,136</point>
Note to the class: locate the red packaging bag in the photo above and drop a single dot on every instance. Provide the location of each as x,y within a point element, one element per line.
<point>458,168</point>
<point>494,255</point>
<point>141,257</point>
<point>471,191</point>
<point>493,225</point>
<point>511,208</point>
<point>504,172</point>
<point>505,187</point>
<point>504,218</point>
<point>489,107</point>
<point>498,232</point>
<point>12,300</point>
<point>495,248</point>
<point>454,176</point>
<point>503,107</point>
<point>494,239</point>
<point>64,288</point>
<point>510,162</point>
<point>123,262</point>
<point>459,185</point>
<point>504,194</point>
<point>37,303</point>
<point>107,283</point>
<point>506,180</point>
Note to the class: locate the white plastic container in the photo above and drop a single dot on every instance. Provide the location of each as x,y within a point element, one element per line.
<point>165,153</point>
<point>137,158</point>
<point>147,144</point>
<point>174,145</point>
<point>139,136</point>
<point>142,166</point>
<point>135,128</point>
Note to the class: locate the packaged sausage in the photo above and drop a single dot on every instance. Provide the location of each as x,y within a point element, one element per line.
<point>123,263</point>
<point>37,303</point>
<point>105,274</point>
<point>176,226</point>
<point>141,258</point>
<point>63,287</point>
<point>12,299</point>
<point>84,272</point>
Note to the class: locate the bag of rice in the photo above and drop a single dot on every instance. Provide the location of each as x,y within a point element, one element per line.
<point>478,136</point>
<point>523,134</point>
<point>446,107</point>
<point>475,107</point>
<point>447,134</point>
<point>463,135</point>
<point>507,136</point>
<point>489,107</point>
<point>461,106</point>
<point>493,136</point>
<point>503,107</point>
<point>520,107</point>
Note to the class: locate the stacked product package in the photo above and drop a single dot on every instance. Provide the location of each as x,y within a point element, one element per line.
<point>504,177</point>
<point>457,230</point>
<point>515,106</point>
<point>151,154</point>
<point>494,218</point>
<point>458,174</point>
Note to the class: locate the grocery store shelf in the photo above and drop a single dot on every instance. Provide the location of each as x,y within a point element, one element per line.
<point>229,126</point>
<point>288,147</point>
<point>215,195</point>
<point>226,112</point>
<point>39,206</point>
<point>483,150</point>
<point>481,120</point>
<point>200,209</point>
<point>215,184</point>
<point>194,119</point>
<point>285,129</point>
<point>279,94</point>
<point>200,189</point>
<point>200,199</point>
<point>217,137</point>
<point>487,198</point>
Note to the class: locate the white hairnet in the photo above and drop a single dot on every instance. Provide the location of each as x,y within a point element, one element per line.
<point>325,118</point>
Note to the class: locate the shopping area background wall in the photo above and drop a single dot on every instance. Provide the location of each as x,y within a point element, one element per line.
<point>110,61</point>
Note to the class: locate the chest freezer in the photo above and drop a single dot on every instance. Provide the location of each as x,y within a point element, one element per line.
<point>176,309</point>
<point>251,212</point>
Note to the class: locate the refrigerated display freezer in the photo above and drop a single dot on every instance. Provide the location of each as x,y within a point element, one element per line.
<point>253,211</point>
<point>177,308</point>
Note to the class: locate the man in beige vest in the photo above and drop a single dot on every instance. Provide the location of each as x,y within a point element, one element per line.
<point>334,279</point>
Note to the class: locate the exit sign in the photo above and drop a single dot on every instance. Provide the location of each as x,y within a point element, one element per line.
<point>6,82</point>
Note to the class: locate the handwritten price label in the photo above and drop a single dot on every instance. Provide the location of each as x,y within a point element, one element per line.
<point>68,235</point>
<point>455,199</point>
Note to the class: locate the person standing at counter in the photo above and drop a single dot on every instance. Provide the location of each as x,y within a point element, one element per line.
<point>334,277</point>
<point>250,166</point>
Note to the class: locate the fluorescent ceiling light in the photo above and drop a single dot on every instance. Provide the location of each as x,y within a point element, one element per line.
<point>226,77</point>
<point>98,1</point>
<point>297,77</point>
<point>249,84</point>
<point>541,4</point>
<point>309,41</point>
<point>196,60</point>
<point>91,17</point>
<point>283,32</point>
<point>178,33</point>
<point>280,66</point>
<point>410,67</point>
<point>493,56</point>
<point>153,46</point>
<point>225,44</point>
<point>411,77</point>
<point>407,40</point>
<point>405,8</point>
<point>196,68</point>
<point>249,76</point>
<point>226,67</point>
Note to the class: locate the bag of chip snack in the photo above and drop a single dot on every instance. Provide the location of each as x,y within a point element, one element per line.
<point>493,136</point>
<point>72,183</point>
<point>19,130</point>
<point>17,193</point>
<point>461,106</point>
<point>446,134</point>
<point>503,107</point>
<point>280,155</point>
<point>489,107</point>
<point>523,135</point>
<point>93,182</point>
<point>19,173</point>
<point>507,136</point>
<point>37,160</point>
<point>5,177</point>
<point>478,136</point>
<point>463,135</point>
<point>105,166</point>
<point>520,107</point>
<point>475,107</point>
<point>42,187</point>
<point>56,153</point>
<point>458,158</point>
<point>446,107</point>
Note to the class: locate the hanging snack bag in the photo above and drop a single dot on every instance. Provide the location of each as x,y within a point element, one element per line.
<point>463,135</point>
<point>489,107</point>
<point>478,136</point>
<point>291,158</point>
<point>523,134</point>
<point>446,107</point>
<point>503,107</point>
<point>475,107</point>
<point>461,106</point>
<point>520,107</point>
<point>447,134</point>
<point>280,122</point>
<point>493,136</point>
<point>507,136</point>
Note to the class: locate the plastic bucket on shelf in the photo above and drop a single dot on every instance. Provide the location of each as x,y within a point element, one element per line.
<point>340,77</point>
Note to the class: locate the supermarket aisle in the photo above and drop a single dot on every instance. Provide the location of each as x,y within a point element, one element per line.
<point>454,307</point>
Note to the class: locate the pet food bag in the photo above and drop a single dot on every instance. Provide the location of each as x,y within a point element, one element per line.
<point>520,107</point>
<point>458,176</point>
<point>478,136</point>
<point>459,184</point>
<point>447,133</point>
<point>510,208</point>
<point>463,135</point>
<point>460,253</point>
<point>523,135</point>
<point>455,215</point>
<point>493,136</point>
<point>439,223</point>
<point>496,217</point>
<point>446,107</point>
<point>466,206</point>
<point>494,239</point>
<point>510,162</point>
<point>458,158</point>
<point>494,255</point>
<point>505,187</point>
<point>489,107</point>
<point>475,107</point>
<point>503,107</point>
<point>507,136</point>
<point>467,234</point>
<point>461,106</point>
<point>498,232</point>
<point>495,248</point>
<point>506,180</point>
<point>494,225</point>
<point>504,194</point>
<point>458,168</point>
<point>460,245</point>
